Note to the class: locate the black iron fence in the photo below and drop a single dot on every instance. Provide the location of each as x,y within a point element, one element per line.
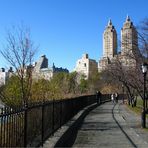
<point>32,125</point>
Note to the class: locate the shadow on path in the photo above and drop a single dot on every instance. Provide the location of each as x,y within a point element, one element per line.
<point>126,135</point>
<point>69,137</point>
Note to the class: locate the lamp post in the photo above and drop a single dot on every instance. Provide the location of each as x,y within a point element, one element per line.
<point>144,71</point>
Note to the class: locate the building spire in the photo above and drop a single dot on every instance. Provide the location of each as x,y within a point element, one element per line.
<point>127,18</point>
<point>109,22</point>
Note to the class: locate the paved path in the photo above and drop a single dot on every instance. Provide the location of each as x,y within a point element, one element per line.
<point>113,126</point>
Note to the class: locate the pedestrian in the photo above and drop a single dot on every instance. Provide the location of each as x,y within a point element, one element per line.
<point>116,97</point>
<point>112,98</point>
<point>98,94</point>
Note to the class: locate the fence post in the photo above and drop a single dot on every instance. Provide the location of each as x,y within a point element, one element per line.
<point>1,129</point>
<point>60,113</point>
<point>43,123</point>
<point>25,125</point>
<point>53,118</point>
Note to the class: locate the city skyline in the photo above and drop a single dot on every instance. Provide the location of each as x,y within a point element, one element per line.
<point>64,30</point>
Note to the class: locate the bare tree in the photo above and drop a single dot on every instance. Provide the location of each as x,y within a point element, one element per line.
<point>130,77</point>
<point>143,37</point>
<point>19,52</point>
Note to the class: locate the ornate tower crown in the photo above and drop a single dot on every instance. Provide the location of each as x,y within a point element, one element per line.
<point>128,23</point>
<point>128,18</point>
<point>109,22</point>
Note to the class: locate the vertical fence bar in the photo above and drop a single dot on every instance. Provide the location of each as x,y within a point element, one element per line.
<point>42,124</point>
<point>5,127</point>
<point>10,128</point>
<point>14,134</point>
<point>1,129</point>
<point>12,138</point>
<point>53,116</point>
<point>19,129</point>
<point>7,130</point>
<point>25,126</point>
<point>15,129</point>
<point>60,113</point>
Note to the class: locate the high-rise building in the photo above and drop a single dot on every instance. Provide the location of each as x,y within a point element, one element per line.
<point>109,41</point>
<point>109,46</point>
<point>129,39</point>
<point>129,45</point>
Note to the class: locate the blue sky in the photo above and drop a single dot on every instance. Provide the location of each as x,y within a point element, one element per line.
<point>65,29</point>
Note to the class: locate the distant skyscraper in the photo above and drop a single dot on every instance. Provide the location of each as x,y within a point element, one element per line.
<point>109,41</point>
<point>129,43</point>
<point>129,39</point>
<point>109,46</point>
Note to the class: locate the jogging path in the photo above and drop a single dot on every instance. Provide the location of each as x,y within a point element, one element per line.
<point>111,125</point>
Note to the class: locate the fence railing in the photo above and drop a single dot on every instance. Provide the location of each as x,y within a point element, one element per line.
<point>32,125</point>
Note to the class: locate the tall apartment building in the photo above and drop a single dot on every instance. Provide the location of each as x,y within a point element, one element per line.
<point>109,41</point>
<point>109,46</point>
<point>129,39</point>
<point>129,45</point>
<point>86,66</point>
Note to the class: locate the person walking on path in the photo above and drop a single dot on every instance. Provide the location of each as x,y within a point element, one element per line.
<point>113,98</point>
<point>116,97</point>
<point>98,96</point>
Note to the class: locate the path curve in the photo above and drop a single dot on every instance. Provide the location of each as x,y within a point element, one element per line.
<point>111,125</point>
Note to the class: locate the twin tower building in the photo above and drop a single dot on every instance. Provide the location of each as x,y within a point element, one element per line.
<point>128,44</point>
<point>111,48</point>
